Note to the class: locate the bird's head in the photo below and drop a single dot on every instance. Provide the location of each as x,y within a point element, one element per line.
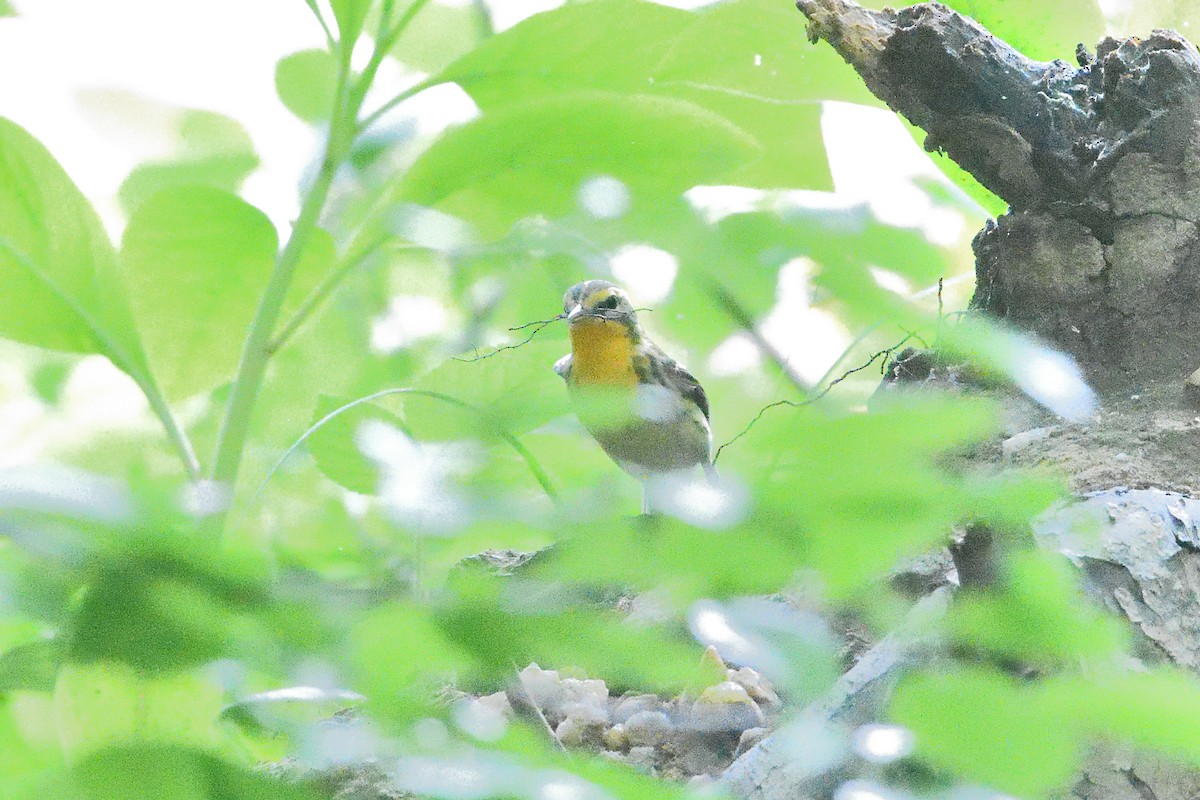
<point>597,301</point>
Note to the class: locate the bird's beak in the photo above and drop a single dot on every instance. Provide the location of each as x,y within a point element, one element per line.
<point>575,313</point>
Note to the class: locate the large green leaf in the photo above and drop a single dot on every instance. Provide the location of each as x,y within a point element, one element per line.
<point>59,287</point>
<point>306,83</point>
<point>30,666</point>
<point>196,260</point>
<point>212,150</point>
<point>440,33</point>
<point>532,157</point>
<point>988,729</point>
<point>174,773</point>
<point>746,60</point>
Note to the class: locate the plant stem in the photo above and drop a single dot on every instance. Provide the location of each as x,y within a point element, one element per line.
<point>248,382</point>
<point>183,445</point>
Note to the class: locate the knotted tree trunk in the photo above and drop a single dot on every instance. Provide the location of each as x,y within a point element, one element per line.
<point>1100,163</point>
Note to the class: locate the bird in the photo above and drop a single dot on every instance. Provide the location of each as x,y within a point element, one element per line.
<point>644,409</point>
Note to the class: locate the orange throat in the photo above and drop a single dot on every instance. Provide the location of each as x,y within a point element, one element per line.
<point>602,354</point>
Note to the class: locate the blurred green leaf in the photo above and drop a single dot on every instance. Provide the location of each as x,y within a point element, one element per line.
<point>335,448</point>
<point>851,494</point>
<point>31,667</point>
<point>6,9</point>
<point>59,286</point>
<point>532,157</point>
<point>747,61</point>
<point>601,642</point>
<point>106,703</point>
<point>164,602</point>
<point>174,773</point>
<point>350,16</point>
<point>50,377</point>
<point>400,655</point>
<point>988,729</point>
<point>440,33</point>
<point>213,150</point>
<point>306,83</point>
<point>196,260</point>
<point>516,390</point>
<point>1159,709</point>
<point>1039,616</point>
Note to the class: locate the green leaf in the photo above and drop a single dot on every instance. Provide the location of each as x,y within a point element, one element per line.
<point>1038,617</point>
<point>174,773</point>
<point>440,33</point>
<point>517,391</point>
<point>306,83</point>
<point>747,61</point>
<point>335,448</point>
<point>1158,709</point>
<point>163,602</point>
<point>213,150</point>
<point>531,158</point>
<point>396,651</point>
<point>988,729</point>
<point>602,643</point>
<point>32,666</point>
<point>6,9</point>
<point>106,703</point>
<point>350,16</point>
<point>59,286</point>
<point>196,260</point>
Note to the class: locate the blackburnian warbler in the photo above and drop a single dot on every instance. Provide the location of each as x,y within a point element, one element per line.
<point>648,413</point>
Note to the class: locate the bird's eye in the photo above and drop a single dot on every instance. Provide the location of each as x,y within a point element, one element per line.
<point>609,302</point>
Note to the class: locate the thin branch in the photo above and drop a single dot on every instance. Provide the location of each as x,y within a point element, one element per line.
<point>378,113</point>
<point>820,395</point>
<point>541,323</point>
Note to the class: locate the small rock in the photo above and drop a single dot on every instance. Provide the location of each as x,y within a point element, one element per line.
<point>615,738</point>
<point>647,728</point>
<point>543,685</point>
<point>497,702</point>
<point>1191,386</point>
<point>758,687</point>
<point>628,706</point>
<point>578,692</point>
<point>749,738</point>
<point>726,707</point>
<point>574,732</point>
<point>1022,440</point>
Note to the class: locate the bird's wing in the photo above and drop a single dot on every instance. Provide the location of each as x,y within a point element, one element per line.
<point>671,373</point>
<point>563,367</point>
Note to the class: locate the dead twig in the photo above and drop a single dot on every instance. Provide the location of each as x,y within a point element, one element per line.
<point>541,323</point>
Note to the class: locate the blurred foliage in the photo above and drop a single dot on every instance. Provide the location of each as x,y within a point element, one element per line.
<point>366,411</point>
